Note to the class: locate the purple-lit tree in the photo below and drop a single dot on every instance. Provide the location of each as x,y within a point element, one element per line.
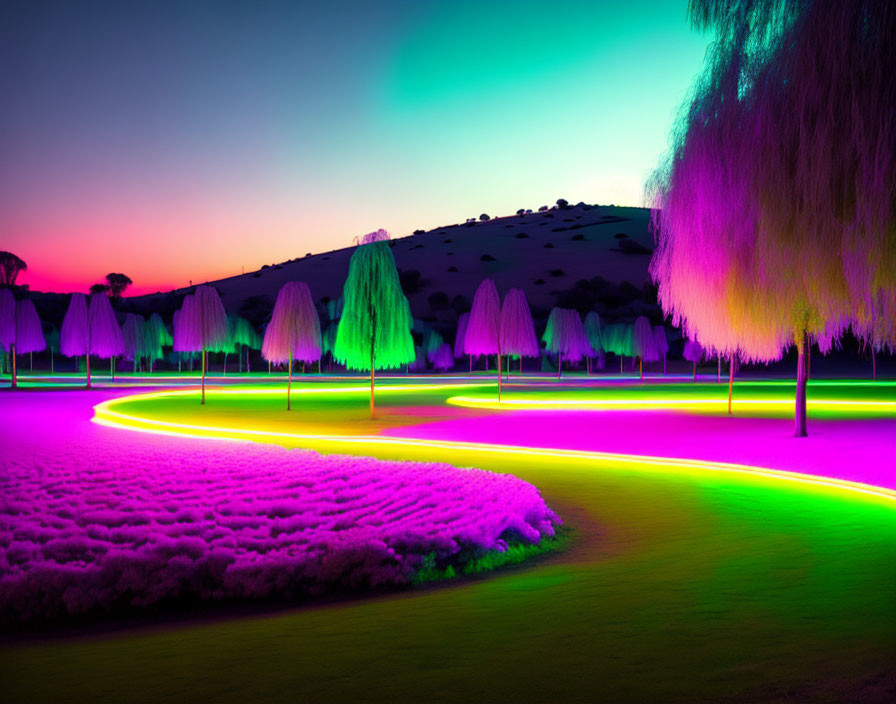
<point>645,344</point>
<point>462,321</point>
<point>662,343</point>
<point>294,330</point>
<point>517,328</point>
<point>106,341</point>
<point>565,336</point>
<point>74,336</point>
<point>20,330</point>
<point>693,352</point>
<point>774,212</point>
<point>443,359</point>
<point>201,326</point>
<point>595,338</point>
<point>90,329</point>
<point>133,333</point>
<point>483,333</point>
<point>375,328</point>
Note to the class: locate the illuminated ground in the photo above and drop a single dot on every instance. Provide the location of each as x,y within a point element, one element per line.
<point>682,583</point>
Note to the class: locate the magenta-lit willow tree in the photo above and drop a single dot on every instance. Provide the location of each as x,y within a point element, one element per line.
<point>565,336</point>
<point>294,330</point>
<point>645,344</point>
<point>201,326</point>
<point>517,334</point>
<point>90,329</point>
<point>483,333</point>
<point>20,330</point>
<point>775,211</point>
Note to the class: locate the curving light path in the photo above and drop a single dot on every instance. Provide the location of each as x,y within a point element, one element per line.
<point>682,584</point>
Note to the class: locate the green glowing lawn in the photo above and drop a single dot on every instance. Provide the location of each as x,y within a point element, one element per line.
<point>674,588</point>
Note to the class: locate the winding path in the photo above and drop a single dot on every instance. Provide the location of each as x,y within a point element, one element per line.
<point>681,585</point>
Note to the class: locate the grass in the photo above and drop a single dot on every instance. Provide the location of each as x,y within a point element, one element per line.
<point>677,587</point>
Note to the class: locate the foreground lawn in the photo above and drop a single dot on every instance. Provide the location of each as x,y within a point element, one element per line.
<point>677,586</point>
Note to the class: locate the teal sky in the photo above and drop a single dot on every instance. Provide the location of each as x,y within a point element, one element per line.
<point>186,140</point>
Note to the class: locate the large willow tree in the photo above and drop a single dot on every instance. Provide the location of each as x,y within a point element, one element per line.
<point>375,328</point>
<point>775,211</point>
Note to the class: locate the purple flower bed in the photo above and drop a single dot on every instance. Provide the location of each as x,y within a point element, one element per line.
<point>130,521</point>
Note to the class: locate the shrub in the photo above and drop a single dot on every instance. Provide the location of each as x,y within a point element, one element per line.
<point>487,258</point>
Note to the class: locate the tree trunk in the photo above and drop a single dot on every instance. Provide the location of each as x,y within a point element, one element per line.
<point>239,356</point>
<point>225,364</point>
<point>873,365</point>
<point>802,375</point>
<point>471,363</point>
<point>112,367</point>
<point>695,372</point>
<point>621,359</point>
<point>31,362</point>
<point>12,355</point>
<point>719,379</point>
<point>588,366</point>
<point>486,361</point>
<point>500,372</point>
<point>559,364</point>
<point>269,366</point>
<point>203,377</point>
<point>372,378</point>
<point>664,365</point>
<point>52,367</point>
<point>87,363</point>
<point>521,365</point>
<point>289,386</point>
<point>730,382</point>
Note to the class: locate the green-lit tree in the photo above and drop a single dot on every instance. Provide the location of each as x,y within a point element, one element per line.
<point>375,328</point>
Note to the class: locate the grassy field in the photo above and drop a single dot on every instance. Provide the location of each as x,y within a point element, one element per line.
<point>685,586</point>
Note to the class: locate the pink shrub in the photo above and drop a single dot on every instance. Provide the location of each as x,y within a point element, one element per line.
<point>99,525</point>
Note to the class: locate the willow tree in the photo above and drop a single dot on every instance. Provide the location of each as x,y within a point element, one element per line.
<point>294,330</point>
<point>201,326</point>
<point>483,333</point>
<point>565,336</point>
<point>645,344</point>
<point>594,334</point>
<point>133,332</point>
<point>375,328</point>
<point>776,208</point>
<point>20,329</point>
<point>517,333</point>
<point>462,321</point>
<point>155,338</point>
<point>244,337</point>
<point>693,352</point>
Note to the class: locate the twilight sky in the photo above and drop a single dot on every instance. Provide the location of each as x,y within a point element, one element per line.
<point>176,140</point>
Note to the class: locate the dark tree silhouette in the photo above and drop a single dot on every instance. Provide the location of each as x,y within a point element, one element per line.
<point>99,288</point>
<point>10,267</point>
<point>116,284</point>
